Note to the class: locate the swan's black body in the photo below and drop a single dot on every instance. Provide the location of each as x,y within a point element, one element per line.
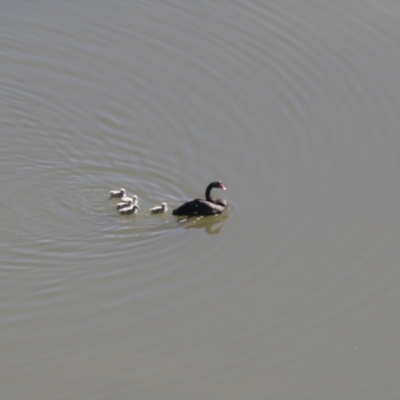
<point>207,206</point>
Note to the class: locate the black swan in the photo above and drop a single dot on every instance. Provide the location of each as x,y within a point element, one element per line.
<point>117,193</point>
<point>207,206</point>
<point>159,209</point>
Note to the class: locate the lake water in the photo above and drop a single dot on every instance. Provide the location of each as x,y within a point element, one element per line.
<point>293,292</point>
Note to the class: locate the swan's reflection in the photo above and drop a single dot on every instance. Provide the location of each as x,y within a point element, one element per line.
<point>212,224</point>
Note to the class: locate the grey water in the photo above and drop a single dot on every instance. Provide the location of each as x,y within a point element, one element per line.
<point>293,292</point>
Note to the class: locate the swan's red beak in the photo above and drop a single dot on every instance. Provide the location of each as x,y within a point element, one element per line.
<point>222,187</point>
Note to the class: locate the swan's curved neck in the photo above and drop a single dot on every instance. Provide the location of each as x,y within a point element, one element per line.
<point>208,194</point>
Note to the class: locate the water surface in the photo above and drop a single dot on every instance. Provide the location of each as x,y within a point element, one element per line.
<point>293,292</point>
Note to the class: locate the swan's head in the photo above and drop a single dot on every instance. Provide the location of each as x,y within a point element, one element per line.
<point>219,185</point>
<point>135,198</point>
